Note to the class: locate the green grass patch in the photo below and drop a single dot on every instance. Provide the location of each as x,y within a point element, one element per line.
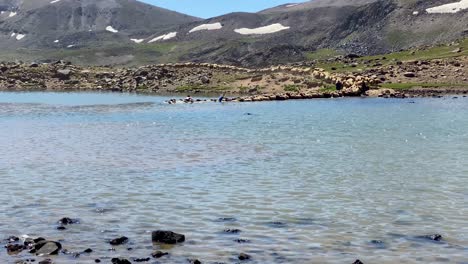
<point>328,88</point>
<point>437,52</point>
<point>291,88</point>
<point>406,86</point>
<point>321,54</point>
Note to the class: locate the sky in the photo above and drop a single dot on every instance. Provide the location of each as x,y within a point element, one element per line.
<point>212,8</point>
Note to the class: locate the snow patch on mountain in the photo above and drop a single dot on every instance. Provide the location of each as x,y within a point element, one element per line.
<point>213,26</point>
<point>12,14</point>
<point>164,37</point>
<point>273,28</point>
<point>20,36</point>
<point>137,40</point>
<point>55,1</point>
<point>449,8</point>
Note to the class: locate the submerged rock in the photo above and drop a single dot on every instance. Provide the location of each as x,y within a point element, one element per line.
<point>120,261</point>
<point>46,261</point>
<point>12,239</point>
<point>119,241</point>
<point>433,237</point>
<point>167,237</point>
<point>68,221</point>
<point>45,247</point>
<point>243,256</point>
<point>194,261</point>
<point>231,231</point>
<point>357,262</point>
<point>13,249</point>
<point>159,254</point>
<point>142,259</point>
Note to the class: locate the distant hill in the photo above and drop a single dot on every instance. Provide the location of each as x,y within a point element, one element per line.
<point>130,32</point>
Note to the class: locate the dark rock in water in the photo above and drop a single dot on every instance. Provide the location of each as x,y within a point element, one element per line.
<point>12,239</point>
<point>230,219</point>
<point>240,241</point>
<point>142,259</point>
<point>433,237</point>
<point>97,261</point>
<point>46,261</point>
<point>13,249</point>
<point>159,254</point>
<point>194,261</point>
<point>119,241</point>
<point>277,224</point>
<point>167,237</point>
<point>88,250</point>
<point>45,247</point>
<point>232,231</point>
<point>378,244</point>
<point>243,256</point>
<point>120,261</point>
<point>68,221</point>
<point>61,228</point>
<point>357,262</point>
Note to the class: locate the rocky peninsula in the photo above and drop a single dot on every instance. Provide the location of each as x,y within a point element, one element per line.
<point>282,82</point>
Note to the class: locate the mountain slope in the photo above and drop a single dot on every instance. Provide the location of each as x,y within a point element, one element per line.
<point>129,32</point>
<point>52,23</point>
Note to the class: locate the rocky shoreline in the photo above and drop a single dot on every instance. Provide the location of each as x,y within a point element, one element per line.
<point>44,251</point>
<point>284,82</point>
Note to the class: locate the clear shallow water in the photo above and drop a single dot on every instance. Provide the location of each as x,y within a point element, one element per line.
<point>306,181</point>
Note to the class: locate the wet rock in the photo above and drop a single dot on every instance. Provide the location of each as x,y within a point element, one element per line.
<point>194,261</point>
<point>68,221</point>
<point>241,241</point>
<point>45,247</point>
<point>243,256</point>
<point>231,231</point>
<point>433,237</point>
<point>12,239</point>
<point>46,261</point>
<point>120,261</point>
<point>13,249</point>
<point>142,259</point>
<point>167,237</point>
<point>61,228</point>
<point>33,65</point>
<point>97,261</point>
<point>88,251</point>
<point>357,262</point>
<point>119,241</point>
<point>159,254</point>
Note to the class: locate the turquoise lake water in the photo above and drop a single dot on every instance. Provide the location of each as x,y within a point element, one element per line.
<point>306,181</point>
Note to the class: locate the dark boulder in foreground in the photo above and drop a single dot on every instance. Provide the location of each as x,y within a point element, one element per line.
<point>120,261</point>
<point>357,262</point>
<point>119,241</point>
<point>45,247</point>
<point>243,256</point>
<point>167,237</point>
